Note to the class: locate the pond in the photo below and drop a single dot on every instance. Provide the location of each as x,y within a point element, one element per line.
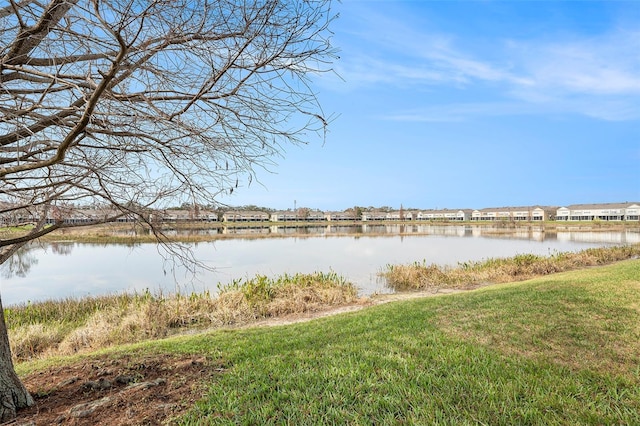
<point>69,269</point>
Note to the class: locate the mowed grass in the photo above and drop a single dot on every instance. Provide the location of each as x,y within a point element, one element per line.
<point>558,350</point>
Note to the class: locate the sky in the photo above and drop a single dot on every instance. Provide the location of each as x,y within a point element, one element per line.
<point>470,104</point>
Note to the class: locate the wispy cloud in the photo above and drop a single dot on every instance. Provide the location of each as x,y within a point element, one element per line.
<point>610,110</point>
<point>606,65</point>
<point>597,76</point>
<point>460,111</point>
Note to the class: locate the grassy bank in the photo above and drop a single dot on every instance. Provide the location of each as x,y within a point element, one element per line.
<point>423,276</point>
<point>557,350</point>
<point>73,325</point>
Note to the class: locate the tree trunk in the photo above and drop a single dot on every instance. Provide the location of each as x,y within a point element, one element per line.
<point>13,394</point>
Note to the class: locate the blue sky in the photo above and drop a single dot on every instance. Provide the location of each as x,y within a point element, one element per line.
<point>471,104</point>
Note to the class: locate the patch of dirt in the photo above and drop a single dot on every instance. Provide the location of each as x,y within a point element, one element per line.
<point>356,306</point>
<point>119,391</point>
<point>144,390</point>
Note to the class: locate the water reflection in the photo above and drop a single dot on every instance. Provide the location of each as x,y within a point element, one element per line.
<point>63,248</point>
<point>24,259</point>
<point>630,236</point>
<point>358,253</point>
<point>531,232</point>
<point>20,263</point>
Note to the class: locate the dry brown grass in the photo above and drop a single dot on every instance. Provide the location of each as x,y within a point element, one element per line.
<point>422,276</point>
<point>51,328</point>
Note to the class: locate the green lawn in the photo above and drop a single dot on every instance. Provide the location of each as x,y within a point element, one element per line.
<point>562,349</point>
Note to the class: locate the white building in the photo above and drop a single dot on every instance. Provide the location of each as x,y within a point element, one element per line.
<point>529,213</point>
<point>605,212</point>
<point>374,215</point>
<point>399,215</point>
<point>305,215</point>
<point>340,216</point>
<point>445,215</point>
<point>245,216</point>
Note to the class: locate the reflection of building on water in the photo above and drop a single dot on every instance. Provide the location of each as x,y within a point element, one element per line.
<point>532,233</point>
<point>245,230</point>
<point>618,237</point>
<point>297,230</point>
<point>536,234</point>
<point>451,231</point>
<point>524,233</point>
<point>374,229</point>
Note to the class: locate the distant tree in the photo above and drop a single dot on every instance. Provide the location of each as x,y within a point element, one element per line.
<point>303,213</point>
<point>358,212</point>
<point>144,104</point>
<point>251,207</point>
<point>194,212</point>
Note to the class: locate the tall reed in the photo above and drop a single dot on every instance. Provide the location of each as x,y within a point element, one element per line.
<point>424,276</point>
<point>70,325</point>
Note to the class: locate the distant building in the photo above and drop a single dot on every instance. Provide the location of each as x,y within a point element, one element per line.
<point>245,216</point>
<point>176,215</point>
<point>340,216</point>
<point>305,215</point>
<point>208,215</point>
<point>374,215</point>
<point>528,213</point>
<point>605,212</point>
<point>445,215</point>
<point>12,214</point>
<point>400,215</point>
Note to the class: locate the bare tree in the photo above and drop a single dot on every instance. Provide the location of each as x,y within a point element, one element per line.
<point>134,105</point>
<point>302,213</point>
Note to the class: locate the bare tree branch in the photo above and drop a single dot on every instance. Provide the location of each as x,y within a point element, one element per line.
<point>135,105</point>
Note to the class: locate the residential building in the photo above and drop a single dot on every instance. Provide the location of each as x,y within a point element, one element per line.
<point>305,215</point>
<point>400,215</point>
<point>445,215</point>
<point>527,213</point>
<point>605,212</point>
<point>370,215</point>
<point>245,216</point>
<point>340,216</point>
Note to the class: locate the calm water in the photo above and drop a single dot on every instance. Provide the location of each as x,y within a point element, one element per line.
<point>74,269</point>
